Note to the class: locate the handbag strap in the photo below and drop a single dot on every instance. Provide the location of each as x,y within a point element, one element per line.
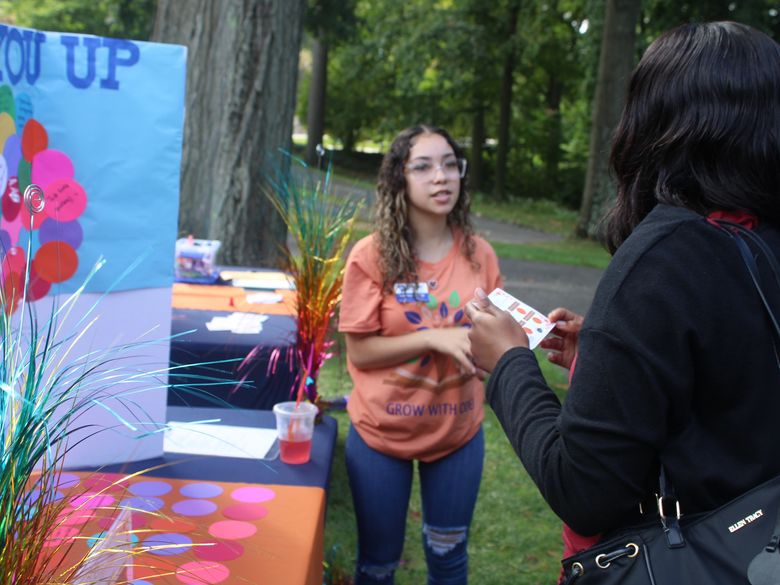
<point>668,505</point>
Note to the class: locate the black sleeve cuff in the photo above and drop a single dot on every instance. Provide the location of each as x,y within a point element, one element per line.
<point>516,354</point>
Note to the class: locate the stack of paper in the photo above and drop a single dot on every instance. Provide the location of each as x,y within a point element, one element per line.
<point>245,323</point>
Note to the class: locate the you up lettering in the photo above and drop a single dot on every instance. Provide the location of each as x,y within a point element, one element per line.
<point>20,57</point>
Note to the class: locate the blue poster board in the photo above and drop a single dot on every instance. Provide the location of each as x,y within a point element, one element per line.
<point>97,123</point>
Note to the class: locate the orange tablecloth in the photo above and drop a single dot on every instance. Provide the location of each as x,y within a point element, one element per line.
<point>257,533</point>
<point>209,297</point>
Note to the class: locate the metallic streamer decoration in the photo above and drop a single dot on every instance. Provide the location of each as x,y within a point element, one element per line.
<point>321,226</point>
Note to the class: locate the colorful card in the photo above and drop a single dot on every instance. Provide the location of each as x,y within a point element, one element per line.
<point>535,324</point>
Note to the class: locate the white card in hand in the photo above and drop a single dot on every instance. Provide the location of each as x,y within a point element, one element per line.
<point>535,324</point>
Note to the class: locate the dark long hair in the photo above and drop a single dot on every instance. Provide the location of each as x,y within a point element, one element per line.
<point>701,127</point>
<point>391,217</point>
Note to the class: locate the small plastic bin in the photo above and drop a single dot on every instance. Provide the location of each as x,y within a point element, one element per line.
<point>195,260</point>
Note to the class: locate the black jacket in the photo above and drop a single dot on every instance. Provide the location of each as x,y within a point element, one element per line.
<point>676,364</point>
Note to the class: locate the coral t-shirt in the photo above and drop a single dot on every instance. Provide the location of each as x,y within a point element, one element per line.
<point>425,408</point>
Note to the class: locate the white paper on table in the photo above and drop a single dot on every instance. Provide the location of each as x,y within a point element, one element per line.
<point>263,298</point>
<point>248,323</point>
<point>535,324</point>
<point>264,283</point>
<point>218,440</point>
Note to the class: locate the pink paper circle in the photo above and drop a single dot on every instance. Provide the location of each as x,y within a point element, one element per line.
<point>245,512</point>
<point>219,551</point>
<point>252,495</point>
<point>65,199</point>
<point>72,517</point>
<point>202,573</point>
<point>50,165</point>
<point>194,507</point>
<point>13,228</point>
<point>232,529</point>
<point>150,488</point>
<point>201,490</point>
<point>90,500</point>
<point>60,535</point>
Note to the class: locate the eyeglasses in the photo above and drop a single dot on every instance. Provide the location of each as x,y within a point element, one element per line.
<point>425,169</point>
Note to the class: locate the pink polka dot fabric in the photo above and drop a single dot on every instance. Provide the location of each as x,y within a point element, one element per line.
<point>198,532</point>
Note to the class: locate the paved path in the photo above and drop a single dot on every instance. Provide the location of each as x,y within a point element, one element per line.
<point>542,285</point>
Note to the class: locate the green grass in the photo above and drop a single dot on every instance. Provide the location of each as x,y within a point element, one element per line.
<point>571,251</point>
<point>541,214</point>
<point>515,538</point>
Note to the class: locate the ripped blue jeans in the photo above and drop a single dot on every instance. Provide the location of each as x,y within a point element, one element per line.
<point>381,486</point>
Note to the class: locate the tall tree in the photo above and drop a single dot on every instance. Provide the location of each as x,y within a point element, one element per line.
<point>505,100</point>
<point>329,23</point>
<point>241,80</point>
<point>315,118</point>
<point>616,61</point>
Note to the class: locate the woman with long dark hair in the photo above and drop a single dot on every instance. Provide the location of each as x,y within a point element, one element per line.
<point>676,363</point>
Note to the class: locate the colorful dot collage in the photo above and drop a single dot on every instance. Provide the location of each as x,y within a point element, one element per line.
<point>25,158</point>
<point>188,528</point>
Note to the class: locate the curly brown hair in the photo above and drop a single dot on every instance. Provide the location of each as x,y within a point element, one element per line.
<point>391,218</point>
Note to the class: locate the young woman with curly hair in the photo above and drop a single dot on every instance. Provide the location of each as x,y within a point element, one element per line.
<point>415,396</point>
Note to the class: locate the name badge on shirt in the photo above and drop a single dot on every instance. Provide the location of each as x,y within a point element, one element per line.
<point>411,292</point>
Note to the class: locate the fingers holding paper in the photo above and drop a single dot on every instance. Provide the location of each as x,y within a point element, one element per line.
<point>562,342</point>
<point>493,332</point>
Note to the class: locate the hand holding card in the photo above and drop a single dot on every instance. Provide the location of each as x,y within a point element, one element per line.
<point>535,324</point>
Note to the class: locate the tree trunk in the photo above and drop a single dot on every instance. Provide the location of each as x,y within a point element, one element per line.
<point>315,120</point>
<point>505,104</point>
<point>476,166</point>
<point>554,137</point>
<point>241,78</point>
<point>616,61</point>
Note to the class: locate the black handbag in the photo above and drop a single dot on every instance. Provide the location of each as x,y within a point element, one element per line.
<point>736,544</point>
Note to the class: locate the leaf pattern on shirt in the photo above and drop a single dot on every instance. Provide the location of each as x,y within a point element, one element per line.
<point>428,317</point>
<point>413,317</point>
